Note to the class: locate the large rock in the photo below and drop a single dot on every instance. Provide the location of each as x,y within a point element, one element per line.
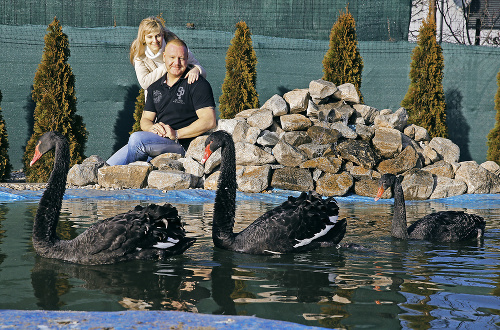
<point>365,132</point>
<point>446,187</point>
<point>396,120</point>
<point>388,141</point>
<point>445,148</point>
<point>249,154</point>
<point>85,173</point>
<point>323,135</point>
<point>366,112</point>
<point>344,130</point>
<point>325,164</point>
<point>491,166</point>
<point>191,166</point>
<point>360,172</point>
<point>261,119</point>
<point>441,169</point>
<point>416,133</point>
<point>171,180</point>
<point>359,152</point>
<point>288,155</point>
<point>417,184</point>
<point>296,138</point>
<point>292,178</point>
<point>321,89</point>
<point>404,161</point>
<point>295,122</point>
<point>227,125</point>
<point>478,179</point>
<point>268,139</point>
<point>342,112</point>
<point>196,149</point>
<point>132,176</point>
<point>254,179</point>
<point>240,131</point>
<point>298,100</point>
<point>277,105</point>
<point>349,93</point>
<point>167,160</point>
<point>314,150</point>
<point>334,184</point>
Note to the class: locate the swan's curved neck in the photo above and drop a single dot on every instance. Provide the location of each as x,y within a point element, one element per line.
<point>49,208</point>
<point>399,227</point>
<point>225,199</point>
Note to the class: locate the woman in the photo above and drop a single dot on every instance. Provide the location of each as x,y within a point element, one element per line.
<point>146,53</point>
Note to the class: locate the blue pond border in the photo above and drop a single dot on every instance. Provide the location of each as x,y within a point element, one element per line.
<point>200,196</point>
<point>20,319</point>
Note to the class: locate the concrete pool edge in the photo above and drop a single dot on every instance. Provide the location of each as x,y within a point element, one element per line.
<point>136,319</point>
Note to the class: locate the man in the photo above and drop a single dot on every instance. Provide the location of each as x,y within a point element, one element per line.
<point>174,114</point>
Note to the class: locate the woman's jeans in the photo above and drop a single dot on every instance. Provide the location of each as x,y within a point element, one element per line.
<point>143,146</point>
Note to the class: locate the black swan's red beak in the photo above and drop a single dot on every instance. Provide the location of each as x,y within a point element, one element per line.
<point>36,156</point>
<point>207,154</point>
<point>379,193</point>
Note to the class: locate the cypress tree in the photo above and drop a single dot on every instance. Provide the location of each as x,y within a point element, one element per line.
<point>342,62</point>
<point>238,89</point>
<point>54,96</point>
<point>5,166</point>
<point>139,108</point>
<point>494,135</point>
<point>425,100</point>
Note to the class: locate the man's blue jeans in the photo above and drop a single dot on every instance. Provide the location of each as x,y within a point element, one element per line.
<point>142,145</point>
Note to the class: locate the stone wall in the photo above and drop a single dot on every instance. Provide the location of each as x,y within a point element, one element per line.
<point>320,138</point>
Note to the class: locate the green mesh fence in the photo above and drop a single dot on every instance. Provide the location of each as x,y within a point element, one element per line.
<point>311,19</point>
<point>106,85</point>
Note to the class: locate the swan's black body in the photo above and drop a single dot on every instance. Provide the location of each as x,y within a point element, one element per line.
<point>299,224</point>
<point>153,232</point>
<point>443,226</point>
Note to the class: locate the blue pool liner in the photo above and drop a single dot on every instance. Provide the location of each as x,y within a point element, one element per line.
<point>201,196</point>
<point>18,319</point>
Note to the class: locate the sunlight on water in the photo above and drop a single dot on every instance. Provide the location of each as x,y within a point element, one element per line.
<point>387,285</point>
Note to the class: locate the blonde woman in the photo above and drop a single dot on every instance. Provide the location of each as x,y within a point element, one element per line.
<point>146,53</point>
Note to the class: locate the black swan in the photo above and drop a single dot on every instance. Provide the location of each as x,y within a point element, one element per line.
<point>300,224</point>
<point>152,232</point>
<point>443,226</point>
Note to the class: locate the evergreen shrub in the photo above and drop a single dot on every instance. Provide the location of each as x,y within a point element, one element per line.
<point>425,100</point>
<point>494,135</point>
<point>238,89</point>
<point>55,110</point>
<point>5,166</point>
<point>342,62</point>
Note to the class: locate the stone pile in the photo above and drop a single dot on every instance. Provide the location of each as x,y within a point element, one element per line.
<point>320,138</point>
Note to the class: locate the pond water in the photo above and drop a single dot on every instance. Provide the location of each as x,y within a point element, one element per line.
<point>393,284</point>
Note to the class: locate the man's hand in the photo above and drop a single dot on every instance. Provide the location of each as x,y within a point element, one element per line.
<point>163,130</point>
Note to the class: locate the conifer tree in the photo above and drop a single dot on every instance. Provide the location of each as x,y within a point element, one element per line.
<point>342,62</point>
<point>139,108</point>
<point>494,135</point>
<point>5,166</point>
<point>425,100</point>
<point>54,96</point>
<point>238,89</point>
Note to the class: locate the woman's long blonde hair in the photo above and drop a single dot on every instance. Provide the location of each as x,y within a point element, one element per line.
<point>148,25</point>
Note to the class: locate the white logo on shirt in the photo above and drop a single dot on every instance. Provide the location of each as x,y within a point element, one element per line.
<point>180,92</point>
<point>156,96</point>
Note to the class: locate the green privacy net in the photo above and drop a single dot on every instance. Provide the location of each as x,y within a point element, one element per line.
<point>289,54</point>
<point>377,20</point>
